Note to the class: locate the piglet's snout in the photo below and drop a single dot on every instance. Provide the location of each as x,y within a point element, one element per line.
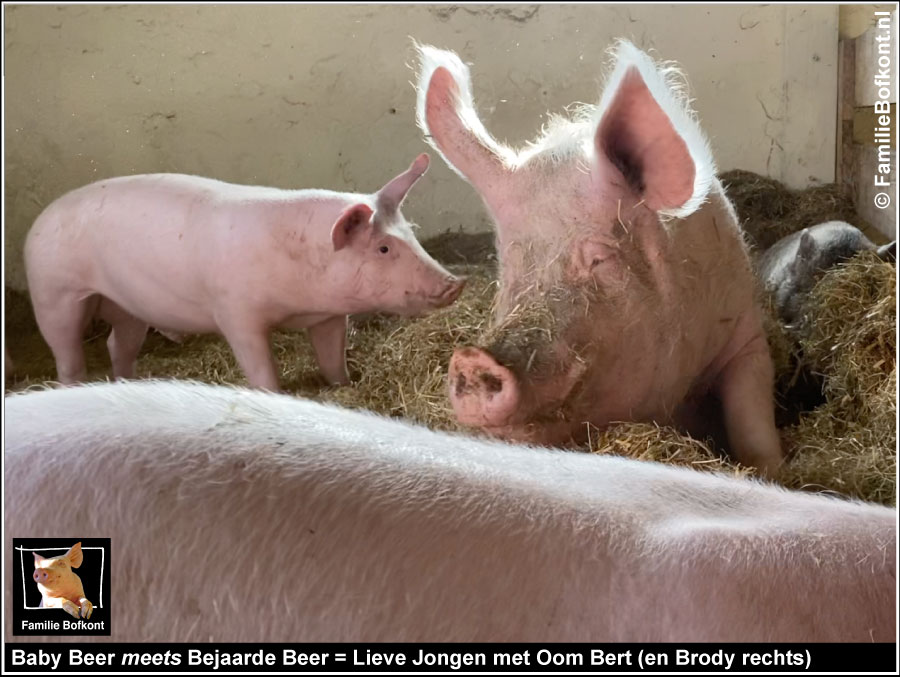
<point>483,392</point>
<point>40,576</point>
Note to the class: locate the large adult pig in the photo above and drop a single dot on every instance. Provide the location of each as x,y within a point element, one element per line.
<point>188,254</point>
<point>243,516</point>
<point>626,292</point>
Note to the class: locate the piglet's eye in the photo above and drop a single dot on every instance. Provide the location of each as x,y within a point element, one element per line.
<point>383,249</point>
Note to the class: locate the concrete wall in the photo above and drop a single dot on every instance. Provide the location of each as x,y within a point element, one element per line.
<point>319,96</point>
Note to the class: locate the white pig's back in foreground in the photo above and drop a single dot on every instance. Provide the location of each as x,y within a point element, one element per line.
<point>248,516</point>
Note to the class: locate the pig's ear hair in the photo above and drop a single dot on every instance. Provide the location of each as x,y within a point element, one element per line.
<point>645,128</point>
<point>389,198</point>
<point>445,112</point>
<point>350,223</point>
<point>75,556</point>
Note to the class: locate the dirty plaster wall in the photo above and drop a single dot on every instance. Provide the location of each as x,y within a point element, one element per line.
<point>320,96</point>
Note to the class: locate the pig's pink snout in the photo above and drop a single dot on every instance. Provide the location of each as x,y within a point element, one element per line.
<point>483,393</point>
<point>40,576</point>
<point>451,291</point>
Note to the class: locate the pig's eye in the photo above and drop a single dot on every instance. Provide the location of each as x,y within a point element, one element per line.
<point>383,249</point>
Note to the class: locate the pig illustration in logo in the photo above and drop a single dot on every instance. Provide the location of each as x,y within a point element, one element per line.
<point>59,585</point>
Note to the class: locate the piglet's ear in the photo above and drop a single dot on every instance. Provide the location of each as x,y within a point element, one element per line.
<point>392,195</point>
<point>75,556</point>
<point>37,559</point>
<point>645,129</point>
<point>350,224</point>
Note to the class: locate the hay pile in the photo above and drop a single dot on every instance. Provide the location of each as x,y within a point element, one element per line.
<point>841,441</point>
<point>769,210</point>
<point>652,442</point>
<point>848,444</point>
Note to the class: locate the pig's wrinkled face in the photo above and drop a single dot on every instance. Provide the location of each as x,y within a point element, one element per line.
<point>50,572</point>
<point>580,236</point>
<point>391,271</point>
<point>561,315</point>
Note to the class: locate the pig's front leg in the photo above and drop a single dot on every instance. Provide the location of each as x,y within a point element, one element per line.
<point>745,387</point>
<point>329,340</point>
<point>86,607</point>
<point>249,341</point>
<point>71,608</point>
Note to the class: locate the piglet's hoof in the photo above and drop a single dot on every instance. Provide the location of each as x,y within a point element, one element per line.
<point>72,609</point>
<point>86,608</point>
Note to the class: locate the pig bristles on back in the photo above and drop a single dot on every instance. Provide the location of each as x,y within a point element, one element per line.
<point>565,138</point>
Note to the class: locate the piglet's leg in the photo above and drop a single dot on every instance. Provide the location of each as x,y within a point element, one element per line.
<point>71,608</point>
<point>86,607</point>
<point>125,339</point>
<point>745,387</point>
<point>329,340</point>
<point>62,321</point>
<point>250,344</point>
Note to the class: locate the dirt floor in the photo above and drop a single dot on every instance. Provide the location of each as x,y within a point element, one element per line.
<point>837,372</point>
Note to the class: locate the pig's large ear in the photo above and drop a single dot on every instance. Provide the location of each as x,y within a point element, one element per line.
<point>37,559</point>
<point>446,114</point>
<point>389,198</point>
<point>75,556</point>
<point>350,224</point>
<point>645,128</point>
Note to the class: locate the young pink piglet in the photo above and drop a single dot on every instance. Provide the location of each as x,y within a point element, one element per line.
<point>192,255</point>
